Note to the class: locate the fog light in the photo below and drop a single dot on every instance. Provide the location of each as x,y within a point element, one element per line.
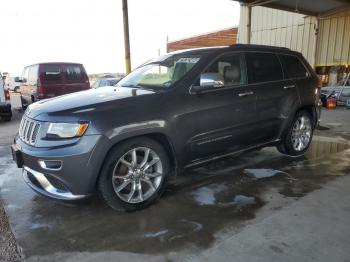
<point>50,164</point>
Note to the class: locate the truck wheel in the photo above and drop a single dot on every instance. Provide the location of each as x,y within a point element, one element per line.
<point>299,135</point>
<point>134,174</point>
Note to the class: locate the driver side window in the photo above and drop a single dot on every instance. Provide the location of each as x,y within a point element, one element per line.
<point>229,68</point>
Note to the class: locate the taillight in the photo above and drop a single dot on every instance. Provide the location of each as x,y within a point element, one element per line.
<point>319,84</point>
<point>7,95</point>
<point>40,89</point>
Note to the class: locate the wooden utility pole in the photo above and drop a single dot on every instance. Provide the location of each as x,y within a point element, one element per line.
<point>126,36</point>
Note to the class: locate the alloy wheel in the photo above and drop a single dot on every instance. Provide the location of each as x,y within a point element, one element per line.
<point>301,133</point>
<point>137,175</point>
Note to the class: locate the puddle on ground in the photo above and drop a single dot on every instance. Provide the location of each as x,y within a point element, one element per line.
<point>194,209</point>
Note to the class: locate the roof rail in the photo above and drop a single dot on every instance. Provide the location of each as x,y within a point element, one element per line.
<point>259,46</point>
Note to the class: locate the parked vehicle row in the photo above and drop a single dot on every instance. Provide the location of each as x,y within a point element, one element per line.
<point>175,112</point>
<point>105,82</point>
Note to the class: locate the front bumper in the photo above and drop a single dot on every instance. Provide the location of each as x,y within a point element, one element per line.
<point>77,175</point>
<point>42,185</point>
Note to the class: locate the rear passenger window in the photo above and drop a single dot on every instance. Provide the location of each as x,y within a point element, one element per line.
<point>263,67</point>
<point>73,73</point>
<point>293,66</point>
<point>53,73</point>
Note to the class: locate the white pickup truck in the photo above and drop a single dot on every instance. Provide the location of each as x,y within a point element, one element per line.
<point>5,105</point>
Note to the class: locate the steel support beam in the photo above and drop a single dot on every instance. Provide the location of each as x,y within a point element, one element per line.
<point>126,37</point>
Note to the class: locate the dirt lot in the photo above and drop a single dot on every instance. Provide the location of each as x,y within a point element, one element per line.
<point>261,206</point>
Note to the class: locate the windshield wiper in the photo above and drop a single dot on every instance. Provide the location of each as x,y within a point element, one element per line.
<point>137,86</point>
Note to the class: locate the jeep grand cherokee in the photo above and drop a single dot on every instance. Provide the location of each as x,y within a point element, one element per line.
<point>177,111</point>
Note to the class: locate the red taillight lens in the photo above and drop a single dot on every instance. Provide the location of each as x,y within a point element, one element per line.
<point>7,95</point>
<point>319,85</point>
<point>40,89</point>
<point>40,92</point>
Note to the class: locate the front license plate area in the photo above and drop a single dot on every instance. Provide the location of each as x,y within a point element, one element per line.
<point>17,156</point>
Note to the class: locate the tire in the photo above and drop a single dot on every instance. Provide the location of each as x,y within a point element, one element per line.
<point>24,104</point>
<point>7,118</point>
<point>128,178</point>
<point>299,135</point>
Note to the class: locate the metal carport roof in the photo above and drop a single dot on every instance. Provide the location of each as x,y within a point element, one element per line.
<point>308,7</point>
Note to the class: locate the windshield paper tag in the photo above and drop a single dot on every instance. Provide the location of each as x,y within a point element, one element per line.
<point>189,60</point>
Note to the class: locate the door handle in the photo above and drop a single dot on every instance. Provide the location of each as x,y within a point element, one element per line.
<point>288,86</point>
<point>246,94</point>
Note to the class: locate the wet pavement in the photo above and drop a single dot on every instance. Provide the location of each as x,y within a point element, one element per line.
<point>198,211</point>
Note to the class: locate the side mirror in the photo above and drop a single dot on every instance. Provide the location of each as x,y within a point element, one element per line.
<point>209,81</point>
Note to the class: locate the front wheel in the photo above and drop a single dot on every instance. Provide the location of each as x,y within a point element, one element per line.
<point>134,174</point>
<point>299,135</point>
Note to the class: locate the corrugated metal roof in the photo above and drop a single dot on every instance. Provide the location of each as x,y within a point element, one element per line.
<point>309,7</point>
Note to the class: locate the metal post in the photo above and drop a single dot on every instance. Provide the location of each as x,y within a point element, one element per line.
<point>126,36</point>
<point>249,23</point>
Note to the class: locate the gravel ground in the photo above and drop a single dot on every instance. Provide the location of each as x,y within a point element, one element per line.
<point>8,246</point>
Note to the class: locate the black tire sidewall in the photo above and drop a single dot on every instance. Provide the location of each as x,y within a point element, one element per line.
<point>288,144</point>
<point>105,187</point>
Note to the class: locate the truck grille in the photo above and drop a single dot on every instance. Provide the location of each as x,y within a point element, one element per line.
<point>28,130</point>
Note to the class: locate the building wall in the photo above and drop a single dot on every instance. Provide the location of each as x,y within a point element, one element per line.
<point>280,28</point>
<point>333,45</point>
<point>329,45</point>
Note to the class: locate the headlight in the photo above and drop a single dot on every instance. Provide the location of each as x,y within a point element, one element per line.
<point>67,130</point>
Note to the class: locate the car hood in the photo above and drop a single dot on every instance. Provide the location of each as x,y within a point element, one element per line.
<point>84,101</point>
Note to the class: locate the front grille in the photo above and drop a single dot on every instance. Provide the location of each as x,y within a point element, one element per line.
<point>28,130</point>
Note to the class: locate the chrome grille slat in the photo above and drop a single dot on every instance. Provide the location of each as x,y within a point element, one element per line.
<point>26,125</point>
<point>29,130</point>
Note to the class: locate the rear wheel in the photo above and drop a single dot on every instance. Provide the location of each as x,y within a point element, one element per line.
<point>299,135</point>
<point>134,174</point>
<point>24,103</point>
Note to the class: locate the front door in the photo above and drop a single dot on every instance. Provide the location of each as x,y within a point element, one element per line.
<point>223,117</point>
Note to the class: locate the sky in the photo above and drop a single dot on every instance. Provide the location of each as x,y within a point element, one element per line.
<point>91,31</point>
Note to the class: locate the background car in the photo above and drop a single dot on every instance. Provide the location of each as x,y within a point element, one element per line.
<point>13,83</point>
<point>47,80</point>
<point>5,105</point>
<point>105,82</point>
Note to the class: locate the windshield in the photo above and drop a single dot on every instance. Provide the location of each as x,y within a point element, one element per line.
<point>162,73</point>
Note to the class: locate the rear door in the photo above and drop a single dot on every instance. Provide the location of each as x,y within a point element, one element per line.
<point>25,90</point>
<point>305,80</point>
<point>276,96</point>
<point>223,117</point>
<point>75,78</point>
<point>51,80</point>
